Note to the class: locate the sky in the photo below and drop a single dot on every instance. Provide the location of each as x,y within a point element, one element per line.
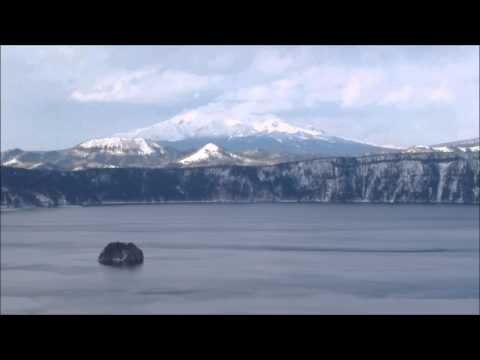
<point>54,97</point>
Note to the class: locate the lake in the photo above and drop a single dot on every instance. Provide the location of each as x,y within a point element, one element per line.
<point>244,259</point>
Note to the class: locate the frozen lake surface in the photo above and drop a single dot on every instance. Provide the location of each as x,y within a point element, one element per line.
<point>244,258</point>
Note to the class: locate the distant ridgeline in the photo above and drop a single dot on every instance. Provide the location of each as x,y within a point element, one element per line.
<point>387,178</point>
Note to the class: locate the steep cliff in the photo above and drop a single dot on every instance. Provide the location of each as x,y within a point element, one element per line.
<point>392,178</point>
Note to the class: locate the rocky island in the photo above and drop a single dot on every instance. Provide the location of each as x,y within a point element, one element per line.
<point>121,254</point>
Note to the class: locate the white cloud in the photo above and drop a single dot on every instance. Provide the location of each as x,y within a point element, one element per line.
<point>342,89</point>
<point>364,94</point>
<point>345,87</point>
<point>149,85</point>
<point>398,96</point>
<point>271,62</point>
<point>441,94</point>
<point>280,81</point>
<point>351,92</point>
<point>361,88</point>
<point>221,62</point>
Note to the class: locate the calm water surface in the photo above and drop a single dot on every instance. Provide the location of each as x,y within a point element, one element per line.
<point>265,258</point>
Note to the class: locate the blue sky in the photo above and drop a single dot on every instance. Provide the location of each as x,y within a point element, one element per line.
<point>57,96</point>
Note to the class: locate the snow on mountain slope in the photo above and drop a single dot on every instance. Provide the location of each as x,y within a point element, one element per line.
<point>194,124</point>
<point>462,143</point>
<point>443,149</point>
<point>274,125</point>
<point>11,162</point>
<point>241,131</point>
<point>95,153</point>
<point>467,146</point>
<point>122,146</point>
<point>426,148</point>
<point>471,148</point>
<point>209,153</point>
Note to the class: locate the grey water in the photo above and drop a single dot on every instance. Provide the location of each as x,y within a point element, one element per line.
<point>244,259</point>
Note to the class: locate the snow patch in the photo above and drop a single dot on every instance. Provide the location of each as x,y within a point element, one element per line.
<point>207,152</point>
<point>35,165</point>
<point>443,149</point>
<point>195,124</point>
<point>121,146</point>
<point>275,125</point>
<point>11,162</point>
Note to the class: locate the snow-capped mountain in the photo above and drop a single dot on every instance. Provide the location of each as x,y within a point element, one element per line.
<point>211,154</point>
<point>120,152</point>
<point>138,152</point>
<point>193,125</point>
<point>267,133</point>
<point>96,153</point>
<point>208,153</point>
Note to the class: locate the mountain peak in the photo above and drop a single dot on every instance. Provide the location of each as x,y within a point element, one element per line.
<point>195,124</point>
<point>211,147</point>
<point>207,152</point>
<point>275,125</point>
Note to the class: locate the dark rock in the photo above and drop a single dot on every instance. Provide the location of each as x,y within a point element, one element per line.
<point>121,254</point>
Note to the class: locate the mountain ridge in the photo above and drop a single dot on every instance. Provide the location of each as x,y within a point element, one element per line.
<point>192,125</point>
<point>467,145</point>
<point>267,132</point>
<point>139,152</point>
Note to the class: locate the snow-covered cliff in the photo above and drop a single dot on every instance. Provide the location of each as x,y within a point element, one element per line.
<point>390,178</point>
